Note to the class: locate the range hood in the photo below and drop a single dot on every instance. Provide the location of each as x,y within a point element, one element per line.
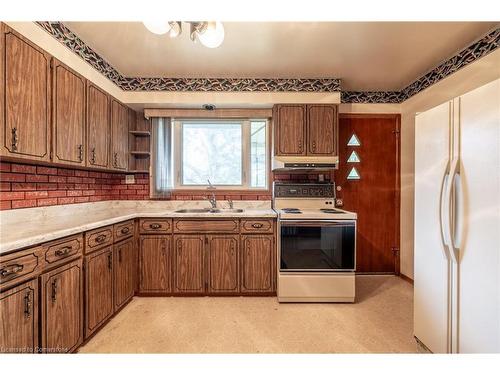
<point>304,163</point>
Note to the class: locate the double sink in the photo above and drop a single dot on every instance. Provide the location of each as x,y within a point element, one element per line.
<point>209,210</point>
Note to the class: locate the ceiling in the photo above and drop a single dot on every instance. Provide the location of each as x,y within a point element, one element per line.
<point>365,55</point>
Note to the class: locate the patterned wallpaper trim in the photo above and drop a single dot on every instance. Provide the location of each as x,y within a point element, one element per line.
<point>471,53</point>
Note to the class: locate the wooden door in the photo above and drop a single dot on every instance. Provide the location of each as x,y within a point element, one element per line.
<point>258,263</point>
<point>98,127</point>
<point>322,130</point>
<point>290,130</point>
<point>188,263</point>
<point>222,263</point>
<point>99,289</point>
<point>119,135</point>
<point>124,269</point>
<point>68,119</point>
<point>62,308</point>
<point>375,195</point>
<point>19,318</point>
<point>25,92</point>
<point>155,264</point>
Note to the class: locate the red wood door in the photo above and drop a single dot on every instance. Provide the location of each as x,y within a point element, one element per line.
<point>375,195</point>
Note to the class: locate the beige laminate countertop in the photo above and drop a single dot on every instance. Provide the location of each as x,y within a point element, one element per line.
<point>18,234</point>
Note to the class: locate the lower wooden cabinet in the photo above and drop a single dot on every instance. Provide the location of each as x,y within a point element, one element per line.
<point>155,264</point>
<point>258,264</point>
<point>189,275</point>
<point>98,289</point>
<point>62,308</point>
<point>123,269</point>
<point>223,264</point>
<point>19,318</point>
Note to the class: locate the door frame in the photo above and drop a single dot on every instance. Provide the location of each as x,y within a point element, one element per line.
<point>397,187</point>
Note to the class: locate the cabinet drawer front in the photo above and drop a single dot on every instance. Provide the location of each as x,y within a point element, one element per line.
<point>206,226</point>
<point>256,226</point>
<point>98,238</point>
<point>61,250</point>
<point>20,266</point>
<point>155,226</point>
<point>123,230</point>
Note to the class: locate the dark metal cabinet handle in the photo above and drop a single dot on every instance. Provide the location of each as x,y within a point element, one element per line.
<point>300,146</point>
<point>314,146</point>
<point>120,255</point>
<point>257,225</point>
<point>110,261</point>
<point>54,290</point>
<point>154,226</point>
<point>11,270</point>
<point>100,238</point>
<point>115,159</point>
<point>92,155</point>
<point>15,139</point>
<point>125,230</point>
<point>80,152</point>
<point>63,251</point>
<point>27,304</point>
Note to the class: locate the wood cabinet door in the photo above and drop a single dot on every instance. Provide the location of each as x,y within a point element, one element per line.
<point>258,263</point>
<point>62,308</point>
<point>19,318</point>
<point>322,127</point>
<point>98,127</point>
<point>290,130</point>
<point>223,264</point>
<point>98,288</point>
<point>155,264</point>
<point>189,264</point>
<point>68,118</point>
<point>25,92</point>
<point>124,269</point>
<point>119,135</point>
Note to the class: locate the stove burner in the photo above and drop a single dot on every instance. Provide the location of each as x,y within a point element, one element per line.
<point>292,211</point>
<point>329,210</point>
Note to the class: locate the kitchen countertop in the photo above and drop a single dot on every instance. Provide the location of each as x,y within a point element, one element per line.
<point>28,227</point>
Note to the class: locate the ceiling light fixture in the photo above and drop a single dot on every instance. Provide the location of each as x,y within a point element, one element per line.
<point>209,33</point>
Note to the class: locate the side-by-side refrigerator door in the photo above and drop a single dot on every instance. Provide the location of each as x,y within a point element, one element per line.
<point>431,283</point>
<point>477,228</point>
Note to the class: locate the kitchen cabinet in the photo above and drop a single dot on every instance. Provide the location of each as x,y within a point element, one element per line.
<point>25,98</point>
<point>19,317</point>
<point>189,275</point>
<point>119,135</point>
<point>124,269</point>
<point>68,118</point>
<point>155,263</point>
<point>305,130</point>
<point>222,264</point>
<point>258,263</point>
<point>98,289</point>
<point>98,127</point>
<point>62,308</point>
<point>290,130</point>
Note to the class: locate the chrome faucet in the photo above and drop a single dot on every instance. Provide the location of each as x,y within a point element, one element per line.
<point>231,203</point>
<point>212,199</point>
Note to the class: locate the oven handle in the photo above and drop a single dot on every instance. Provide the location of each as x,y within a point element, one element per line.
<point>323,223</point>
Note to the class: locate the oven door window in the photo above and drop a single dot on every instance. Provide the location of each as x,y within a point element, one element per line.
<point>317,246</point>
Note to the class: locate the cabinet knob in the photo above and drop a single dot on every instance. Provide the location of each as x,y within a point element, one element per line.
<point>63,251</point>
<point>257,225</point>
<point>154,226</point>
<point>92,155</point>
<point>80,152</point>
<point>125,230</point>
<point>27,304</point>
<point>11,270</point>
<point>115,159</point>
<point>100,238</point>
<point>54,290</point>
<point>15,139</point>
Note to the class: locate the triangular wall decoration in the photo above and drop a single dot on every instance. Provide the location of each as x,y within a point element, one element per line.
<point>353,174</point>
<point>353,141</point>
<point>353,158</point>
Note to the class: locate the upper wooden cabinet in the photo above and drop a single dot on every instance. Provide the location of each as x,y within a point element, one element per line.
<point>119,135</point>
<point>98,129</point>
<point>25,98</point>
<point>68,106</point>
<point>301,130</point>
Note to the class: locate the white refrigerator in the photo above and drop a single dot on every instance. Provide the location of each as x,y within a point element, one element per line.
<point>457,224</point>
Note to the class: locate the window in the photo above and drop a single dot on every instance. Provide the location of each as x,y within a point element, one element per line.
<point>232,154</point>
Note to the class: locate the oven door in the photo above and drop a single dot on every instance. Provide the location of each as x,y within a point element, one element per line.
<point>317,245</point>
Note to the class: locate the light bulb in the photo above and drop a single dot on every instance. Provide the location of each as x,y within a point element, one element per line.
<point>157,27</point>
<point>213,36</point>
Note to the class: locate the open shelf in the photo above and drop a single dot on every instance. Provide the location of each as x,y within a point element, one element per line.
<point>139,144</point>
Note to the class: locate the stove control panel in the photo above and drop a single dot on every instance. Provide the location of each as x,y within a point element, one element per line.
<point>290,190</point>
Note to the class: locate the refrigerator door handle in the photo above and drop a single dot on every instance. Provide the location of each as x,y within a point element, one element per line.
<point>449,236</point>
<point>445,179</point>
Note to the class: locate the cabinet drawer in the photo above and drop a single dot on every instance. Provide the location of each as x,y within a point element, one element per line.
<point>60,251</point>
<point>257,226</point>
<point>206,226</point>
<point>155,226</point>
<point>123,230</point>
<point>20,266</point>
<point>98,238</point>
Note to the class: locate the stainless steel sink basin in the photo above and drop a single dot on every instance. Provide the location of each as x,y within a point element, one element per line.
<point>208,210</point>
<point>232,210</point>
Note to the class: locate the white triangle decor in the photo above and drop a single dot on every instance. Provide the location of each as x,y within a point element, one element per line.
<point>353,158</point>
<point>354,141</point>
<point>353,174</point>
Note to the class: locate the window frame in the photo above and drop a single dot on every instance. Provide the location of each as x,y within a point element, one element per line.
<point>246,172</point>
